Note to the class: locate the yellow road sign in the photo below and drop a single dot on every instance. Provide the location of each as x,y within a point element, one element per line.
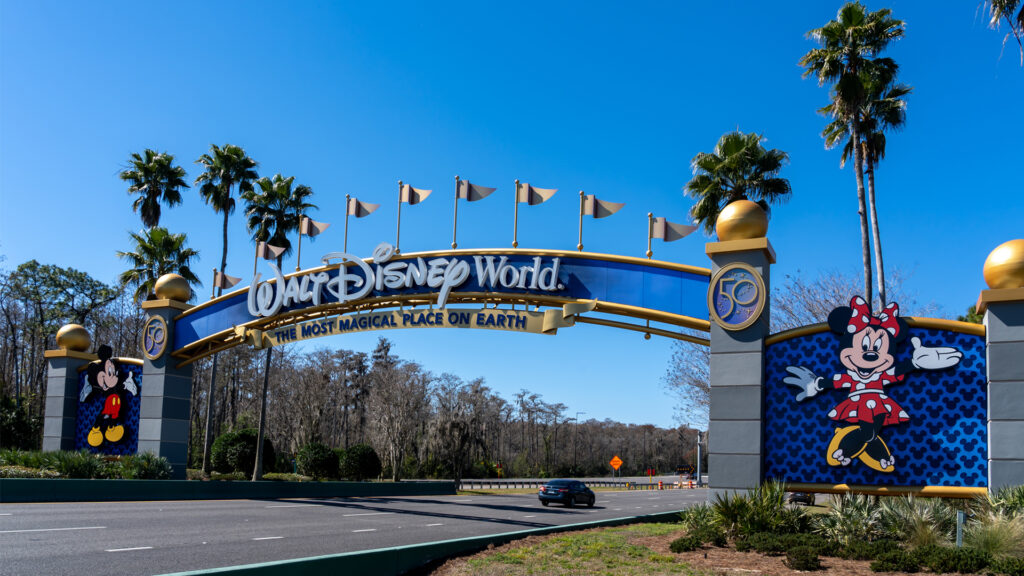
<point>616,462</point>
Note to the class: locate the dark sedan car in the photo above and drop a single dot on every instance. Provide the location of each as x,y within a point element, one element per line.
<point>805,498</point>
<point>568,492</point>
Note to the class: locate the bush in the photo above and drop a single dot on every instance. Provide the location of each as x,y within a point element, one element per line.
<point>286,477</point>
<point>360,463</point>
<point>145,466</point>
<point>851,518</point>
<point>1009,566</point>
<point>684,544</point>
<point>743,545</point>
<point>316,460</point>
<point>944,560</point>
<point>998,534</point>
<point>762,509</point>
<point>23,472</point>
<point>698,517</point>
<point>81,464</point>
<point>236,452</point>
<point>917,521</point>
<point>895,561</point>
<point>229,476</point>
<point>803,558</point>
<point>767,543</point>
<point>19,429</point>
<point>710,535</point>
<point>861,550</point>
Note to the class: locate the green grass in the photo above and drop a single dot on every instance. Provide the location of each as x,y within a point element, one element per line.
<point>608,551</point>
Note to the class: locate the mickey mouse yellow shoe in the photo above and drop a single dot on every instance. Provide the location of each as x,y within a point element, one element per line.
<point>834,456</point>
<point>95,437</point>
<point>114,433</point>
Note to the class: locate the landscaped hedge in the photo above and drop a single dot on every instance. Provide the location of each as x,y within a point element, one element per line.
<point>236,452</point>
<point>83,464</point>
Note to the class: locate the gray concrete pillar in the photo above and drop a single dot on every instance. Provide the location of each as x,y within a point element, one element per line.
<point>166,388</point>
<point>736,436</point>
<point>60,417</point>
<point>1004,361</point>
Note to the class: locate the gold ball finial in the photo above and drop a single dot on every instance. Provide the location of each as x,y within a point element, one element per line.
<point>741,220</point>
<point>1004,267</point>
<point>74,337</point>
<point>173,287</point>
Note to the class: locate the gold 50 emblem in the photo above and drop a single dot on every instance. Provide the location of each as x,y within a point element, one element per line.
<point>736,296</point>
<point>154,337</point>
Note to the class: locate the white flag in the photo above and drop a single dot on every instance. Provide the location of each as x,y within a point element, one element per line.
<point>600,208</point>
<point>534,196</point>
<point>311,227</point>
<point>670,231</point>
<point>472,192</point>
<point>360,209</point>
<point>412,195</point>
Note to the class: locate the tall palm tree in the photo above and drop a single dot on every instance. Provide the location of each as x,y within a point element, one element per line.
<point>884,109</point>
<point>848,44</point>
<point>156,179</point>
<point>157,252</point>
<point>273,210</point>
<point>739,168</point>
<point>1004,10</point>
<point>225,169</point>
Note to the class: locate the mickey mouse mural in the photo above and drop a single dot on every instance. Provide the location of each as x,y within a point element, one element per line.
<point>108,405</point>
<point>867,353</point>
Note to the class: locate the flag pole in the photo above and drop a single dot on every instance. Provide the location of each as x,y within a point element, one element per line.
<point>298,257</point>
<point>455,221</point>
<point>255,258</point>
<point>515,218</point>
<point>347,202</point>
<point>579,246</point>
<point>398,234</point>
<point>650,232</point>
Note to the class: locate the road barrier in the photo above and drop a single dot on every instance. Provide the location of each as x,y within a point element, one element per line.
<point>496,484</point>
<point>71,490</point>
<point>402,559</point>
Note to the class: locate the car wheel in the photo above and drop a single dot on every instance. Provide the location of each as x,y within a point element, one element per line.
<point>571,502</point>
<point>591,503</point>
<point>543,502</point>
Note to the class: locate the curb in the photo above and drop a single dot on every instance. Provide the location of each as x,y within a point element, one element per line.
<point>31,490</point>
<point>401,559</point>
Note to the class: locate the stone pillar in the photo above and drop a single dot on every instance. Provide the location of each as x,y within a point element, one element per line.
<point>1003,309</point>
<point>166,388</point>
<point>62,369</point>
<point>736,435</point>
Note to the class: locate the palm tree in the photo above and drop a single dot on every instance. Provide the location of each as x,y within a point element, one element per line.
<point>273,209</point>
<point>156,179</point>
<point>739,169</point>
<point>850,43</point>
<point>884,108</point>
<point>1004,10</point>
<point>157,252</point>
<point>226,168</point>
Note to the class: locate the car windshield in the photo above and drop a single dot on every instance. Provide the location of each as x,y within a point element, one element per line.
<point>558,483</point>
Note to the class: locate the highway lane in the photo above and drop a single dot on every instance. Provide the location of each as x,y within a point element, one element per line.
<point>130,538</point>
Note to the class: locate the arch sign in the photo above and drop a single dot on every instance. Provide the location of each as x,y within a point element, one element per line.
<point>448,289</point>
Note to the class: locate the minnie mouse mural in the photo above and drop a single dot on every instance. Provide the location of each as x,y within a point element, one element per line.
<point>867,353</point>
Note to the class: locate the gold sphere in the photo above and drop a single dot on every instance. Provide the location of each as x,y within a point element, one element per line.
<point>172,287</point>
<point>1004,267</point>
<point>740,220</point>
<point>73,337</point>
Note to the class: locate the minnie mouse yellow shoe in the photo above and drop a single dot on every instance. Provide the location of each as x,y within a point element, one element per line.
<point>835,456</point>
<point>878,456</point>
<point>115,433</point>
<point>95,437</point>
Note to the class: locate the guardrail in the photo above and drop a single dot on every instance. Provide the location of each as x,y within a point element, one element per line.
<point>497,484</point>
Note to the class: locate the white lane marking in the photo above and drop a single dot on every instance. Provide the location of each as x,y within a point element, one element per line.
<point>53,529</point>
<point>7,514</point>
<point>638,507</point>
<point>290,505</point>
<point>438,524</point>
<point>269,538</point>
<point>366,530</point>
<point>369,514</point>
<point>617,509</point>
<point>130,549</point>
<point>653,498</point>
<point>530,516</point>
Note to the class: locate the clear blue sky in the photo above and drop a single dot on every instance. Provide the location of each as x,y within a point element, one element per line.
<point>611,98</point>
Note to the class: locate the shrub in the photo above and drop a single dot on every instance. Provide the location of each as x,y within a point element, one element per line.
<point>361,462</point>
<point>81,464</point>
<point>1009,566</point>
<point>861,550</point>
<point>1009,500</point>
<point>710,535</point>
<point>895,561</point>
<point>684,544</point>
<point>851,518</point>
<point>998,534</point>
<point>803,558</point>
<point>743,545</point>
<point>317,460</point>
<point>229,476</point>
<point>236,452</point>
<point>944,560</point>
<point>917,521</point>
<point>698,517</point>
<point>286,477</point>
<point>19,429</point>
<point>23,472</point>
<point>767,543</point>
<point>145,466</point>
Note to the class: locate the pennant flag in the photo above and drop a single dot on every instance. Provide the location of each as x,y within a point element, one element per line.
<point>412,195</point>
<point>362,209</point>
<point>311,227</point>
<point>670,231</point>
<point>600,208</point>
<point>268,251</point>
<point>472,192</point>
<point>534,196</point>
<point>223,280</point>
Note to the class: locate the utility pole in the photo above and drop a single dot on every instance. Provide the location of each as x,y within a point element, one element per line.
<point>698,459</point>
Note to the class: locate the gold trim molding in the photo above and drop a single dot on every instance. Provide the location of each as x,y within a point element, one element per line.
<point>730,246</point>
<point>68,354</point>
<point>165,303</point>
<point>912,321</point>
<point>998,295</point>
<point>922,491</point>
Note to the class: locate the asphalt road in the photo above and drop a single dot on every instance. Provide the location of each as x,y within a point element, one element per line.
<point>159,537</point>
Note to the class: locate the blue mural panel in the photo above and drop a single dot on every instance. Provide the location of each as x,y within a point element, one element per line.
<point>108,407</point>
<point>942,443</point>
<point>631,283</point>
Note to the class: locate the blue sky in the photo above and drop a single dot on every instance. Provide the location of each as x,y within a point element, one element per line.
<point>611,98</point>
